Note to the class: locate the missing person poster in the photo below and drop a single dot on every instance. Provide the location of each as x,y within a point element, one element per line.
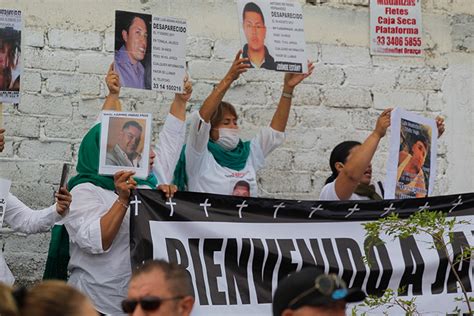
<point>10,55</point>
<point>395,27</point>
<point>272,35</point>
<point>411,167</point>
<point>150,51</point>
<point>4,191</point>
<point>125,143</point>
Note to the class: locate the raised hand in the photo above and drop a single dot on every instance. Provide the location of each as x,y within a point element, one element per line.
<point>440,125</point>
<point>239,66</point>
<point>187,91</point>
<point>293,79</point>
<point>113,81</point>
<point>383,122</point>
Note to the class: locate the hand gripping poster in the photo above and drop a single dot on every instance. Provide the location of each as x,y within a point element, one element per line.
<point>272,35</point>
<point>150,51</point>
<point>10,55</point>
<point>411,166</point>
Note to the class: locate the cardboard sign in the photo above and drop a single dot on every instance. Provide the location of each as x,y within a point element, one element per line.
<point>411,166</point>
<point>150,51</point>
<point>272,35</point>
<point>395,27</point>
<point>10,55</point>
<point>125,143</point>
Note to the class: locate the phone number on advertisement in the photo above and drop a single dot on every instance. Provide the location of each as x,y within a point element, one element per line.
<point>398,41</point>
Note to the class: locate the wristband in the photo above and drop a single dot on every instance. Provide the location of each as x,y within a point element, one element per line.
<point>121,203</point>
<point>287,95</point>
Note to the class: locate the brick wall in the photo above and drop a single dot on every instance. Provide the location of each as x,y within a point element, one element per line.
<point>68,47</point>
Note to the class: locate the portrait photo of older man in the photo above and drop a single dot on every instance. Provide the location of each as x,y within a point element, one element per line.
<point>124,149</point>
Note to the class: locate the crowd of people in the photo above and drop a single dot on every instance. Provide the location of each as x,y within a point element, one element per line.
<point>213,159</point>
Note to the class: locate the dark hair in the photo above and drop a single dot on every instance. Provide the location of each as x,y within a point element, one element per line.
<point>339,154</point>
<point>423,136</point>
<point>123,22</point>
<point>218,114</point>
<point>132,123</point>
<point>252,7</point>
<point>242,183</point>
<point>179,280</point>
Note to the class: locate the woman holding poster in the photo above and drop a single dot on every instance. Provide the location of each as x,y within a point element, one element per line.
<point>351,167</point>
<point>215,159</point>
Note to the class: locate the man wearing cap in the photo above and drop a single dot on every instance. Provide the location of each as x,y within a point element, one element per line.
<point>311,292</point>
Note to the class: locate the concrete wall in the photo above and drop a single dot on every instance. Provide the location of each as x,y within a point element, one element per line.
<point>68,46</point>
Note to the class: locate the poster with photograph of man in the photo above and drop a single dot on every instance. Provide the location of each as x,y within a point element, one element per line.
<point>411,168</point>
<point>125,143</point>
<point>10,55</point>
<point>150,51</point>
<point>272,34</point>
<point>132,59</point>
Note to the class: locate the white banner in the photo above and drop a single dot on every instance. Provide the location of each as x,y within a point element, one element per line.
<point>235,250</point>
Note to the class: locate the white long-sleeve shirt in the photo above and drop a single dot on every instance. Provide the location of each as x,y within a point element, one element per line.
<point>104,275</point>
<point>23,219</point>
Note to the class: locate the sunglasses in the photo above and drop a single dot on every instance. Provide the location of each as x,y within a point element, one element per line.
<point>147,303</point>
<point>329,285</point>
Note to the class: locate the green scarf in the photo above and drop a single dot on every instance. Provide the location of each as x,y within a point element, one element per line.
<point>235,159</point>
<point>87,169</point>
<point>368,191</point>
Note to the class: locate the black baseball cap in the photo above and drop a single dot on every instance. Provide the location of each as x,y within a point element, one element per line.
<point>312,287</point>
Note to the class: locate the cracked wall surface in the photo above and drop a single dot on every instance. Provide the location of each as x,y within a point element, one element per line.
<point>67,50</point>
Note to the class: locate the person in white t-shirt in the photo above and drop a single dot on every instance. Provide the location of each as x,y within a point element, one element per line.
<point>351,166</point>
<point>215,159</point>
<point>23,219</point>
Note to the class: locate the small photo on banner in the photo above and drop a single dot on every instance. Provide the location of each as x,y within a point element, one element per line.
<point>125,143</point>
<point>150,51</point>
<point>272,35</point>
<point>10,55</point>
<point>411,167</point>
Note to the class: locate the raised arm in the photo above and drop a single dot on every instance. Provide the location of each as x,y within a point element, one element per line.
<point>112,102</point>
<point>280,118</point>
<point>178,107</point>
<point>239,66</point>
<point>354,168</point>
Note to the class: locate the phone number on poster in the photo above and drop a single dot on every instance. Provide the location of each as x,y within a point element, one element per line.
<point>398,41</point>
<point>167,87</point>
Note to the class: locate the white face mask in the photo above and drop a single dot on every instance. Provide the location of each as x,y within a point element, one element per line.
<point>228,138</point>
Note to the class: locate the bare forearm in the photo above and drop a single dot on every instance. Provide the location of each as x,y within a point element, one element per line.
<point>178,109</point>
<point>357,165</point>
<point>112,103</point>
<point>282,113</point>
<point>214,99</point>
<point>110,224</point>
